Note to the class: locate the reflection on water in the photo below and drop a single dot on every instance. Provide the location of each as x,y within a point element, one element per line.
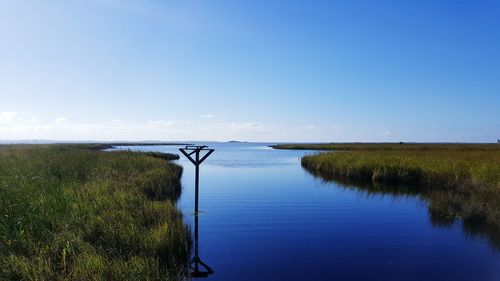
<point>266,218</point>
<point>197,268</point>
<point>478,214</point>
<point>196,155</point>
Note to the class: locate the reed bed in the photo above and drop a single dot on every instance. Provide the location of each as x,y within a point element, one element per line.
<point>438,168</point>
<point>388,146</point>
<point>71,212</point>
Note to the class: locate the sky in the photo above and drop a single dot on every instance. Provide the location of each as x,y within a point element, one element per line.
<point>303,71</point>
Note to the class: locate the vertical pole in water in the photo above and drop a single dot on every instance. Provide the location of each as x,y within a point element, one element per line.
<point>196,256</point>
<point>196,261</point>
<point>196,191</point>
<point>196,182</point>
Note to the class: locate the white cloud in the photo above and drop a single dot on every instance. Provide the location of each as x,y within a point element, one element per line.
<point>311,127</point>
<point>235,127</point>
<point>61,120</point>
<point>8,115</point>
<point>24,126</point>
<point>168,123</point>
<point>207,116</point>
<point>387,133</point>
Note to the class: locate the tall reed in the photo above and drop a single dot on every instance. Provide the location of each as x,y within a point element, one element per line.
<point>72,213</point>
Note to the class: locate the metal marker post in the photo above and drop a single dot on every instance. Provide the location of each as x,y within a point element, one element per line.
<point>188,151</point>
<point>195,149</point>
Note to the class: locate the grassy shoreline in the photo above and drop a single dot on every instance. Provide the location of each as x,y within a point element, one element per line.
<point>433,165</point>
<point>109,145</point>
<point>387,146</point>
<point>459,181</point>
<point>430,165</point>
<point>431,168</point>
<point>73,212</point>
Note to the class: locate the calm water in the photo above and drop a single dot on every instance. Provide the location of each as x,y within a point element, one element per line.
<point>265,218</point>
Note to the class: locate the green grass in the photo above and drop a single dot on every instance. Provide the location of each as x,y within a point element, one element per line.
<point>459,181</point>
<point>438,167</point>
<point>386,146</point>
<point>71,212</point>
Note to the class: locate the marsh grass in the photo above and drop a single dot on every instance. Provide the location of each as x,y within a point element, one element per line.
<point>459,182</point>
<point>388,146</point>
<point>432,168</point>
<point>68,212</point>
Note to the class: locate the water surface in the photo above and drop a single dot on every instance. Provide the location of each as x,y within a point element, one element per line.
<point>263,217</point>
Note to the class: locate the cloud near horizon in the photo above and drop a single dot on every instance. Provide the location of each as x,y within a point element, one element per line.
<point>17,126</point>
<point>25,126</point>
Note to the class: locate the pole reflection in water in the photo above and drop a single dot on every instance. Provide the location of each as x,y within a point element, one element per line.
<point>197,268</point>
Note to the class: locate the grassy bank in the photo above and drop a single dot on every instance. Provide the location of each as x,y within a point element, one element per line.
<point>459,181</point>
<point>73,213</point>
<point>386,146</point>
<point>437,168</point>
<point>108,145</point>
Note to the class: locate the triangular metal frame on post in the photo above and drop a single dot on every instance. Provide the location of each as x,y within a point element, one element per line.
<point>196,262</point>
<point>196,149</point>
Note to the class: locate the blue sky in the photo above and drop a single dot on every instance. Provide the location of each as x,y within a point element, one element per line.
<point>250,70</point>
